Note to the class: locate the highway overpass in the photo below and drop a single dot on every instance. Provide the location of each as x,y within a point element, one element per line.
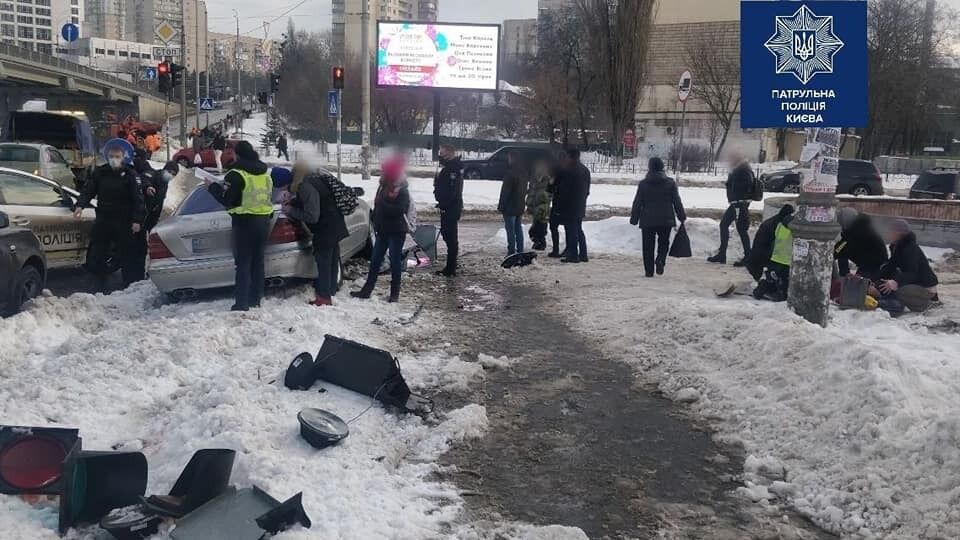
<point>26,75</point>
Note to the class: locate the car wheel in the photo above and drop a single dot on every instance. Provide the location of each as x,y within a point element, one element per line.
<point>860,190</point>
<point>791,188</point>
<point>29,286</point>
<point>472,174</point>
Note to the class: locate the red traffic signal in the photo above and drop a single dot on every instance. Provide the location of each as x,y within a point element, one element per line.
<point>338,77</point>
<point>163,68</point>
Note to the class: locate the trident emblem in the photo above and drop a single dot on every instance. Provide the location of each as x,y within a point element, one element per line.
<point>804,44</point>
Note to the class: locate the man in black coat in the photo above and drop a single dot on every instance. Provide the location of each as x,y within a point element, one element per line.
<point>219,145</point>
<point>907,278</point>
<point>120,214</point>
<point>859,243</point>
<point>656,208</point>
<point>763,242</point>
<point>739,194</point>
<point>282,147</point>
<point>314,205</point>
<point>448,191</point>
<point>573,189</point>
<point>513,195</point>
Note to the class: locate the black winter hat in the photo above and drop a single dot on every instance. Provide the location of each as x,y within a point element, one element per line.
<point>656,165</point>
<point>245,150</point>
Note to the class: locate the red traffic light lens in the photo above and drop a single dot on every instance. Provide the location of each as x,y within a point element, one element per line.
<point>32,462</point>
<point>162,69</point>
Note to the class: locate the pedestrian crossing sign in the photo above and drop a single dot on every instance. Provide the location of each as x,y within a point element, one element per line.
<point>206,104</point>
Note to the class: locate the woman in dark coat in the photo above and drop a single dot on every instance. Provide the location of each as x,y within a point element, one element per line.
<point>314,206</point>
<point>654,208</point>
<point>390,223</point>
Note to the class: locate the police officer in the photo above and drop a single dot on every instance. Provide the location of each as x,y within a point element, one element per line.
<point>154,185</point>
<point>120,214</point>
<point>246,193</point>
<point>448,191</point>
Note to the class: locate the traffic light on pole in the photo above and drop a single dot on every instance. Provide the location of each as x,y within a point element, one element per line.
<point>176,74</point>
<point>274,83</point>
<point>338,77</point>
<point>163,77</point>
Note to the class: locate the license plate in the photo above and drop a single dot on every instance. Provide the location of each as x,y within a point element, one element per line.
<point>201,245</point>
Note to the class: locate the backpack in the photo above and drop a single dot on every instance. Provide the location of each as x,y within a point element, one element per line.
<point>757,192</point>
<point>346,200</point>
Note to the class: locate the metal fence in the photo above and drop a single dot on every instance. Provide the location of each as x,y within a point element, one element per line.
<point>21,54</point>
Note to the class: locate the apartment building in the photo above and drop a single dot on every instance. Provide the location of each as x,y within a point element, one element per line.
<point>35,24</point>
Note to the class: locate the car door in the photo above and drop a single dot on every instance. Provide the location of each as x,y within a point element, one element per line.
<point>57,167</point>
<point>497,165</point>
<point>36,204</point>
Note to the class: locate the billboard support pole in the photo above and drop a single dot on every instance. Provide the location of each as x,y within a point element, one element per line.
<point>365,90</point>
<point>436,126</point>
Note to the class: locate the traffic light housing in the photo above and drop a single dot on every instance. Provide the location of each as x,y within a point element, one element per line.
<point>176,74</point>
<point>163,77</point>
<point>338,77</point>
<point>274,83</point>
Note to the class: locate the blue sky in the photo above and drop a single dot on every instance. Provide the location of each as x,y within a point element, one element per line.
<point>315,14</point>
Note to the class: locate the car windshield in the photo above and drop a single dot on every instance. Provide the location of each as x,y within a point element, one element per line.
<point>19,153</point>
<point>936,182</point>
<point>202,202</point>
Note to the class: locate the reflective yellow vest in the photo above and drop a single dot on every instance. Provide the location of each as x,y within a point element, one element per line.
<point>257,197</point>
<point>782,245</point>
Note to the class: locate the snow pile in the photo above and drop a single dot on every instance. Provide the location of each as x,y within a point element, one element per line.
<point>856,425</point>
<point>501,362</point>
<point>170,380</point>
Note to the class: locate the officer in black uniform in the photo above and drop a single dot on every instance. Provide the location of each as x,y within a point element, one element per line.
<point>120,214</point>
<point>448,191</point>
<point>153,185</point>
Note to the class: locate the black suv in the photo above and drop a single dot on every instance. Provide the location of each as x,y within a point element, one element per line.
<point>495,166</point>
<point>856,177</point>
<point>23,267</point>
<point>943,184</point>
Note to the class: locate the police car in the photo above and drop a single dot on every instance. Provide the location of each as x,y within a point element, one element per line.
<point>45,207</point>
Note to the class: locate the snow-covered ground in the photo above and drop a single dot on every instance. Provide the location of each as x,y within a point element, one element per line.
<point>856,425</point>
<point>169,380</point>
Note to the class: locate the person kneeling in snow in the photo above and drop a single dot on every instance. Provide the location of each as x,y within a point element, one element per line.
<point>769,260</point>
<point>860,244</point>
<point>907,281</point>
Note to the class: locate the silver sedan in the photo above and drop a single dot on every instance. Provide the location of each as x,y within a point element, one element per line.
<point>190,251</point>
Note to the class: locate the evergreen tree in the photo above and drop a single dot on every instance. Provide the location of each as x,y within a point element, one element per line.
<point>271,132</point>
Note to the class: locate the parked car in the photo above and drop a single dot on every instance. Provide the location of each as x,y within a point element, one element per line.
<point>190,251</point>
<point>856,177</point>
<point>495,166</point>
<point>185,157</point>
<point>943,184</point>
<point>44,207</point>
<point>39,159</point>
<point>23,266</point>
<point>69,132</point>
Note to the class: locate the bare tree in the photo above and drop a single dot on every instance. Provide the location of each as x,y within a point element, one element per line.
<point>618,32</point>
<point>402,111</point>
<point>716,81</point>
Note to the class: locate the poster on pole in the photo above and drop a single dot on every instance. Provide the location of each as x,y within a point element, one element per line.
<point>438,55</point>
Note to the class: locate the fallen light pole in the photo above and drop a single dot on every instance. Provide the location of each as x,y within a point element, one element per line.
<point>815,227</point>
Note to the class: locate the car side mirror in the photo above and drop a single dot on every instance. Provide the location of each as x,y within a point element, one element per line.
<point>4,220</point>
<point>358,191</point>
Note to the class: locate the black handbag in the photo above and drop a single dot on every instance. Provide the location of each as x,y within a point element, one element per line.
<point>681,244</point>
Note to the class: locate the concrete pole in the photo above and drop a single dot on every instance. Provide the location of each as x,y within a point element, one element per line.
<point>183,84</point>
<point>365,90</point>
<point>815,230</point>
<point>237,121</point>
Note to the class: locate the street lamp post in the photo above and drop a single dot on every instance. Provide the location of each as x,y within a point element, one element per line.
<point>365,90</point>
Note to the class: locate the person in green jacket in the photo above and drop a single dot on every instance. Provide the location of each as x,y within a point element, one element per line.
<point>538,204</point>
